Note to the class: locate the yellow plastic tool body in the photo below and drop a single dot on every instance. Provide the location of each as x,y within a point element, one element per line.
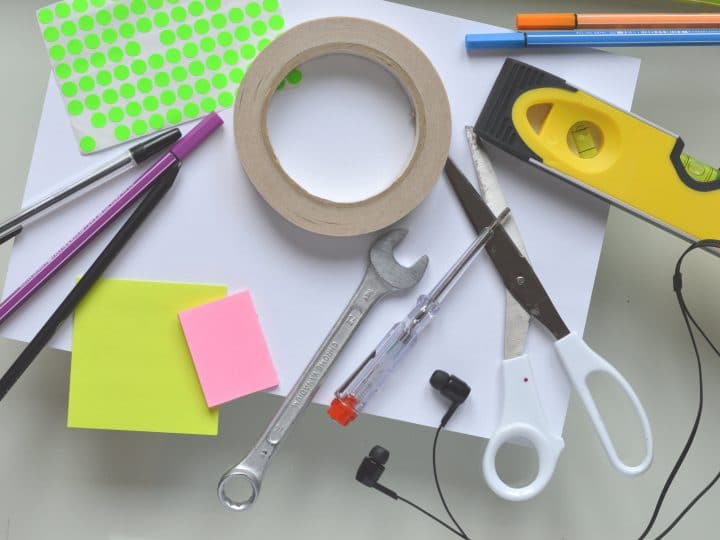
<point>617,155</point>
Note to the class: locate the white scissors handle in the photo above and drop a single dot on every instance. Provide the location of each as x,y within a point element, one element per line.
<point>522,418</point>
<point>580,361</point>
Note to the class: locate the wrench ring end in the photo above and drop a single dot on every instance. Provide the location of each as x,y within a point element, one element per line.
<point>229,502</point>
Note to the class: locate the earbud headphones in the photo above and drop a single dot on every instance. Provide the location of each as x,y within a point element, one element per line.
<point>373,465</point>
<point>453,388</point>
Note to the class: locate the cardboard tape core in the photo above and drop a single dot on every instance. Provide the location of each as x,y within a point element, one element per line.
<point>375,42</point>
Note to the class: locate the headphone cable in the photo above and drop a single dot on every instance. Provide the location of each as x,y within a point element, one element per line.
<point>690,322</point>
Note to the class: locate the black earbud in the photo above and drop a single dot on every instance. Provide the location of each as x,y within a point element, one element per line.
<point>371,470</point>
<point>453,388</point>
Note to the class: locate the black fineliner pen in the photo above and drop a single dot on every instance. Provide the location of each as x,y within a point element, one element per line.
<point>96,270</point>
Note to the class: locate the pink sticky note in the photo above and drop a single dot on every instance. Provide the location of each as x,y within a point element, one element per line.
<point>228,348</point>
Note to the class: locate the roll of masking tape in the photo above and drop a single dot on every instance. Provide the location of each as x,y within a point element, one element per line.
<point>380,44</point>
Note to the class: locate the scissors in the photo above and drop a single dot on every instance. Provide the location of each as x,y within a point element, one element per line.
<point>522,415</point>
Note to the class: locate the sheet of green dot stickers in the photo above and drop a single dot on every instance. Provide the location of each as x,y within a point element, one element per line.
<point>129,67</point>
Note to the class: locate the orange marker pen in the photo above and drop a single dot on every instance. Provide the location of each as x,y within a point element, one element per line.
<point>590,21</point>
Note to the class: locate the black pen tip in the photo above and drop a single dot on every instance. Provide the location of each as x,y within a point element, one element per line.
<point>153,145</point>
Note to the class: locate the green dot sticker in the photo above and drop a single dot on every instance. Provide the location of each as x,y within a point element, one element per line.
<point>122,133</point>
<point>156,121</point>
<point>126,30</point>
<point>116,114</point>
<point>276,22</point>
<point>173,55</point>
<point>69,89</point>
<point>174,116</point>
<point>75,108</point>
<point>201,26</point>
<point>87,144</point>
<point>104,77</point>
<point>97,59</point>
<point>195,9</point>
<point>127,90</point>
<point>185,91</point>
<point>144,25</point>
<point>167,97</point>
<point>236,15</point>
<point>178,14</point>
<point>86,84</point>
<point>98,120</point>
<point>138,67</point>
<point>138,7</point>
<point>92,102</point>
<point>45,16</point>
<point>213,62</point>
<point>132,48</point>
<point>86,23</point>
<point>190,50</point>
<point>207,44</point>
<point>110,96</point>
<point>247,52</point>
<point>121,72</point>
<point>68,28</point>
<point>225,39</point>
<point>62,10</point>
<point>63,71</point>
<point>253,9</point>
<point>103,17</point>
<point>162,79</point>
<point>129,67</point>
<point>196,68</point>
<point>145,85</point>
<point>191,110</point>
<point>80,65</point>
<point>151,103</point>
<point>225,99</point>
<point>230,57</point>
<point>133,109</point>
<point>242,33</point>
<point>219,81</point>
<point>259,28</point>
<point>184,31</point>
<point>294,77</point>
<point>75,46</point>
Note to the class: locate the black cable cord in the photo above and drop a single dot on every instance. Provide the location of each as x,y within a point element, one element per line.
<point>428,514</point>
<point>689,323</point>
<point>437,483</point>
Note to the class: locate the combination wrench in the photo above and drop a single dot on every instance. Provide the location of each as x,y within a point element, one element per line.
<point>384,276</point>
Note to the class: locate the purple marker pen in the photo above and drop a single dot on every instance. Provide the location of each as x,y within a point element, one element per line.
<point>177,153</point>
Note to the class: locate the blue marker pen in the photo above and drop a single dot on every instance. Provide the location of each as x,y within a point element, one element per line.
<point>590,38</point>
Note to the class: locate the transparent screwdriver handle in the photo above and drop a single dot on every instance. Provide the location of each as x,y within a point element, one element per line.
<point>370,376</point>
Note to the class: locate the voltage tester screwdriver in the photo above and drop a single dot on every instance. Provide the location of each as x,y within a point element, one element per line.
<point>369,377</point>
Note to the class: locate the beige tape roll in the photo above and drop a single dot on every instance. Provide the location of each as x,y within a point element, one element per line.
<point>375,42</point>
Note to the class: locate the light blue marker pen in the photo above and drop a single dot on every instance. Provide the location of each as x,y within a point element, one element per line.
<point>592,38</point>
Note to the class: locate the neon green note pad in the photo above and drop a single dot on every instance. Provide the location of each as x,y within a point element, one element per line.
<point>129,67</point>
<point>131,368</point>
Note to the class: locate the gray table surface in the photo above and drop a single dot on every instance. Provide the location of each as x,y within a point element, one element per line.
<point>78,484</point>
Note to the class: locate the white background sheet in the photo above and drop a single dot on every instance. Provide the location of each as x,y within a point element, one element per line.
<point>213,227</point>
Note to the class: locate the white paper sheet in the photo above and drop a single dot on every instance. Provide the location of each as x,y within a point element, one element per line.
<point>213,227</point>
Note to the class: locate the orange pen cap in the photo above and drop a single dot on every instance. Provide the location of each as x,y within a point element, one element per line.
<point>545,21</point>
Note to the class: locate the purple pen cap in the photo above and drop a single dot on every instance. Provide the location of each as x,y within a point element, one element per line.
<point>193,138</point>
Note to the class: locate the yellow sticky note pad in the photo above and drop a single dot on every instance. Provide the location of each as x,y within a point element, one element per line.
<point>131,368</point>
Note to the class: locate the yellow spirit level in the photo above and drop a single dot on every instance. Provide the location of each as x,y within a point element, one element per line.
<point>611,153</point>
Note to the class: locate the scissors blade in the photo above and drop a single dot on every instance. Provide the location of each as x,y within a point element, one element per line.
<point>517,320</point>
<point>514,269</point>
